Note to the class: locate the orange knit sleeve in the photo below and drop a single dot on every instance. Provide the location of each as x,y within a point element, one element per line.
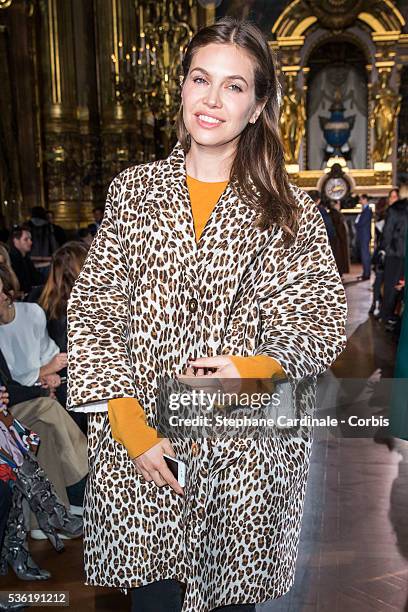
<point>128,424</point>
<point>256,368</point>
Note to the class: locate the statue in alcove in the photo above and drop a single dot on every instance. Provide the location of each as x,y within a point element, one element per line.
<point>292,120</point>
<point>387,105</point>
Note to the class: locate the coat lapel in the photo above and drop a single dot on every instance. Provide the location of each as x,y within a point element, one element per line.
<point>229,242</point>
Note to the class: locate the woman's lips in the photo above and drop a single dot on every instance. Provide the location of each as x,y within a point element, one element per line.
<point>207,124</point>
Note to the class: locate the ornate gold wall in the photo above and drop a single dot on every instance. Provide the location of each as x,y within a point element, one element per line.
<point>67,130</point>
<point>68,124</point>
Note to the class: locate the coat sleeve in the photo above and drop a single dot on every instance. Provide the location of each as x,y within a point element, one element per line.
<point>302,303</point>
<point>99,367</point>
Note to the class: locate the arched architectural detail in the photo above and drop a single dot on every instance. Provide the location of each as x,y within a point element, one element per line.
<point>376,28</point>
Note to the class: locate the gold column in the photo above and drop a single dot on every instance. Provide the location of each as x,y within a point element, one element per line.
<point>384,108</point>
<point>63,151</point>
<point>120,124</point>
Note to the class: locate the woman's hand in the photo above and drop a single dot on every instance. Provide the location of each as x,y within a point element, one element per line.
<point>56,364</point>
<point>4,397</point>
<point>152,466</point>
<point>200,372</point>
<point>50,381</point>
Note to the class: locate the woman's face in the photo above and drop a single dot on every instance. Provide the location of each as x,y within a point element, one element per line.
<point>219,94</point>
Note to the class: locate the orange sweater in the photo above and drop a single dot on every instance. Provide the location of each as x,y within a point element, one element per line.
<point>126,416</point>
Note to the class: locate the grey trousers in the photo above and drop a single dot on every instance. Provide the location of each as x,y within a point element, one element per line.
<point>63,450</point>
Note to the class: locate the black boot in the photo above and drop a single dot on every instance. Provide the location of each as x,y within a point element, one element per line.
<point>50,512</point>
<point>14,551</point>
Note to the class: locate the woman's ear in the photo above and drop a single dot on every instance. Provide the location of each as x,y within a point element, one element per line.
<point>256,113</point>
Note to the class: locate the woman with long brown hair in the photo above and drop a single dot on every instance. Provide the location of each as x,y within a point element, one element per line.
<point>208,264</point>
<point>66,265</point>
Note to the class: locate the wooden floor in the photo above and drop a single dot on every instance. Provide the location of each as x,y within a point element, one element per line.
<point>353,555</point>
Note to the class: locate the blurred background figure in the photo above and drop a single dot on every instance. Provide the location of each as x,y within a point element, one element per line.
<point>363,231</point>
<point>85,236</point>
<point>21,243</point>
<point>6,262</point>
<point>98,213</point>
<point>65,268</point>
<point>58,231</point>
<point>393,244</point>
<point>340,243</point>
<point>44,240</point>
<point>378,256</point>
<point>331,232</point>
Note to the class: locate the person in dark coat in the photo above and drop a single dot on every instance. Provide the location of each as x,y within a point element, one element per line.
<point>98,213</point>
<point>341,242</point>
<point>21,243</point>
<point>59,232</point>
<point>363,236</point>
<point>378,257</point>
<point>42,234</point>
<point>393,243</point>
<point>399,401</point>
<point>331,232</point>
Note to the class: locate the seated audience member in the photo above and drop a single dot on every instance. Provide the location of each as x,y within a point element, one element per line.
<point>31,354</point>
<point>30,487</point>
<point>28,276</point>
<point>85,236</point>
<point>6,261</point>
<point>98,213</point>
<point>32,357</point>
<point>66,265</point>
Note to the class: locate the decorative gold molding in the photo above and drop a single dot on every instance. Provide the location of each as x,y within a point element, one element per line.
<point>372,22</point>
<point>304,25</point>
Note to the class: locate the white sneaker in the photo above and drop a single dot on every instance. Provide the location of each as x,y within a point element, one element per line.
<point>38,534</point>
<point>77,510</point>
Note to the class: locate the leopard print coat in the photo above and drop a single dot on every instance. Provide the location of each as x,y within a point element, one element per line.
<point>149,298</point>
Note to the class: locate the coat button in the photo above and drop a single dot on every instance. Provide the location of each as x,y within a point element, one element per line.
<point>195,449</point>
<point>193,305</point>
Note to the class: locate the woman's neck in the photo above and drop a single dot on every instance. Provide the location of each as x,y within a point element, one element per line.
<point>211,164</point>
<point>7,314</point>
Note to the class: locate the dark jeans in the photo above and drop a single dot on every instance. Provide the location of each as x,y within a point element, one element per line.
<point>167,596</point>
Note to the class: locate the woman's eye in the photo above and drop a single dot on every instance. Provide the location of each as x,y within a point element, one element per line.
<point>237,87</point>
<point>198,79</point>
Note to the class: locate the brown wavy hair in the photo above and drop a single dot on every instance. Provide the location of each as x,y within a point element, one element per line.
<point>6,277</point>
<point>260,150</point>
<point>66,265</point>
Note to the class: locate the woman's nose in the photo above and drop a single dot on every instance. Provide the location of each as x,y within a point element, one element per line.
<point>213,97</point>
